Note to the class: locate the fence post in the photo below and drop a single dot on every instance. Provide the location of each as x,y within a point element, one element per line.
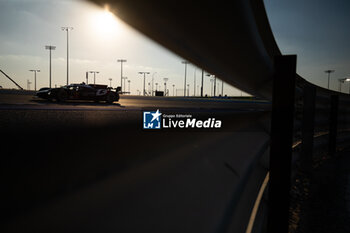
<point>282,120</point>
<point>308,126</point>
<point>333,124</point>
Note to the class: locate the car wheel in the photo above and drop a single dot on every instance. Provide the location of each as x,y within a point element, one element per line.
<point>62,95</point>
<point>110,98</point>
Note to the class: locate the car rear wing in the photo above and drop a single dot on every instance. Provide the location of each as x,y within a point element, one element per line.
<point>118,89</point>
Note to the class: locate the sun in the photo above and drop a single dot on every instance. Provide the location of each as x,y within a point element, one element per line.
<point>105,23</point>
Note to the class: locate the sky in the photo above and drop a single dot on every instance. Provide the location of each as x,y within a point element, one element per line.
<point>317,31</point>
<point>97,41</point>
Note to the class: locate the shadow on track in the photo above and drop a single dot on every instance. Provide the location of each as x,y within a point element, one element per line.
<point>76,103</point>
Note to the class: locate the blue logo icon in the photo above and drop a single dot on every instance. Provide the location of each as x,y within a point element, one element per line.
<point>151,120</point>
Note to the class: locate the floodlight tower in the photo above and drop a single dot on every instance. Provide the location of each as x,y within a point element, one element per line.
<point>124,78</point>
<point>202,83</point>
<point>185,62</point>
<point>121,72</point>
<point>152,82</point>
<point>165,80</point>
<point>211,86</point>
<point>28,84</point>
<point>67,29</point>
<point>329,75</point>
<point>144,81</point>
<point>348,80</point>
<point>341,80</point>
<point>194,82</point>
<point>94,72</point>
<point>50,48</point>
<point>110,82</point>
<point>35,71</point>
<point>129,86</point>
<point>222,87</point>
<point>214,85</point>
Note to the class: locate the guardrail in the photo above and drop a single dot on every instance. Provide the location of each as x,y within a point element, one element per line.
<point>307,122</point>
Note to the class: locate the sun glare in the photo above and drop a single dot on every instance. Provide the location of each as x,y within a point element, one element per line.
<point>105,23</point>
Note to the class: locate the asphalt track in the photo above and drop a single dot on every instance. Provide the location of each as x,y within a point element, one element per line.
<point>90,167</point>
<point>28,101</point>
<point>23,109</point>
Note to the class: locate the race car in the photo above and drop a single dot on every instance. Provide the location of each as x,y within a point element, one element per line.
<point>93,92</point>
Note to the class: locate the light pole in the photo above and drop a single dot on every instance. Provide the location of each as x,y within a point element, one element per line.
<point>202,83</point>
<point>28,84</point>
<point>152,81</point>
<point>214,85</point>
<point>121,73</point>
<point>194,84</point>
<point>67,29</point>
<point>129,86</point>
<point>110,82</point>
<point>341,80</point>
<point>188,90</point>
<point>329,75</point>
<point>156,86</point>
<point>50,48</point>
<point>124,78</point>
<point>165,80</point>
<point>34,77</point>
<point>185,62</point>
<point>144,81</point>
<point>222,88</point>
<point>347,80</point>
<point>211,84</point>
<point>94,72</point>
<point>87,77</point>
<point>173,89</point>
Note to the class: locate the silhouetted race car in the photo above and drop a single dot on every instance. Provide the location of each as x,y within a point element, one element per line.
<point>94,92</point>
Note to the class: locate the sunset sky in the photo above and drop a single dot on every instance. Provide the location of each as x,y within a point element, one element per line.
<point>97,41</point>
<point>317,31</point>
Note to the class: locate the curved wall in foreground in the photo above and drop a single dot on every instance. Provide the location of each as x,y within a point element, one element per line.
<point>231,39</point>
